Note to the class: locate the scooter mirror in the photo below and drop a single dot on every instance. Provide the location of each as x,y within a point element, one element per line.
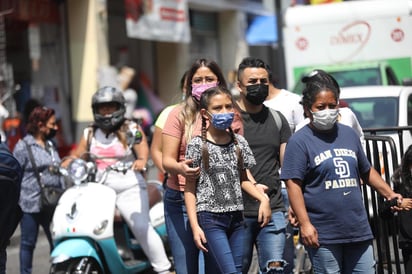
<point>78,170</point>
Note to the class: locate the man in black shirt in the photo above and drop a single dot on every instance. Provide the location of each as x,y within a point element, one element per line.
<point>267,138</point>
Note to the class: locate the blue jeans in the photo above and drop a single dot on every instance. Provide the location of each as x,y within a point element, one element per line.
<point>29,226</point>
<point>343,258</point>
<point>269,240</point>
<point>224,233</point>
<point>185,252</point>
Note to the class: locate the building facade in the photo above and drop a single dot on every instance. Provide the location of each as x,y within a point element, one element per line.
<point>60,50</point>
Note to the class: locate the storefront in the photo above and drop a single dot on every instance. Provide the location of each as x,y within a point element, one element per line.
<point>34,64</point>
<point>58,49</point>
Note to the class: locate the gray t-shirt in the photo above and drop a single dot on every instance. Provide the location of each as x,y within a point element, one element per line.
<point>218,189</point>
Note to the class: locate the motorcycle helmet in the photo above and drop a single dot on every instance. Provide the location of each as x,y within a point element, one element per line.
<point>108,94</point>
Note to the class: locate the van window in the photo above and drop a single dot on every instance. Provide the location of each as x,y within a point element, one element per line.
<point>351,77</point>
<point>358,77</point>
<point>375,112</point>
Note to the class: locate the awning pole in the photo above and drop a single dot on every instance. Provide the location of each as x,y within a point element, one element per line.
<point>280,60</point>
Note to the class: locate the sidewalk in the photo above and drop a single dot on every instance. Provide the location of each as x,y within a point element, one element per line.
<point>15,239</point>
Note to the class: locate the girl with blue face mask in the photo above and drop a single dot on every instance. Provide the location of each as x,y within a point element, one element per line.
<point>183,123</point>
<point>214,198</point>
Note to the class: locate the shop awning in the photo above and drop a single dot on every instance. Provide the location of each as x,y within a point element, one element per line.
<point>262,31</point>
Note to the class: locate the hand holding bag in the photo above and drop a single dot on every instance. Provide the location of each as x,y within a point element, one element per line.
<point>50,195</point>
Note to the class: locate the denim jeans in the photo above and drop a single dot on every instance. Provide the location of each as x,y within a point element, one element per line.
<point>224,233</point>
<point>29,226</point>
<point>185,252</point>
<point>343,258</point>
<point>269,240</point>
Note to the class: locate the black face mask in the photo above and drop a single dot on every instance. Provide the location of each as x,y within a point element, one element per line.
<point>52,133</point>
<point>256,94</point>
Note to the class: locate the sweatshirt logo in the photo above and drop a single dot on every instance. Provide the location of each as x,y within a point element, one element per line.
<point>341,168</point>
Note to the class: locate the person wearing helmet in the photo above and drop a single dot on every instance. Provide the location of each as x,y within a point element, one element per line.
<point>109,137</point>
<point>108,98</point>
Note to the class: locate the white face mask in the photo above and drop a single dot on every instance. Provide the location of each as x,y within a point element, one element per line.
<point>325,119</point>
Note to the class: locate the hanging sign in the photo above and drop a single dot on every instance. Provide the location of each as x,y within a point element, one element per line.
<point>39,11</point>
<point>158,20</point>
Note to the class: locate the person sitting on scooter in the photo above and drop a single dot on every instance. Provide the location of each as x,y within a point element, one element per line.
<point>108,138</point>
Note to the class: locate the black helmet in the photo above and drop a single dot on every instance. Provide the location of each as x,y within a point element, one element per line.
<point>108,95</point>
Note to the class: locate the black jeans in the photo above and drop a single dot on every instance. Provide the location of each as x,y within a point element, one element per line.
<point>3,260</point>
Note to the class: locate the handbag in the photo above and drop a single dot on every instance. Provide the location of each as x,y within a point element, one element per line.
<point>50,195</point>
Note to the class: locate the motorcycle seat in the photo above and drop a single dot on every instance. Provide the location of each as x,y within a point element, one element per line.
<point>117,216</point>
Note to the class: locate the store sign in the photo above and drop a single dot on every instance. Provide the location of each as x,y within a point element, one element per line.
<point>33,10</point>
<point>158,20</point>
<point>316,2</point>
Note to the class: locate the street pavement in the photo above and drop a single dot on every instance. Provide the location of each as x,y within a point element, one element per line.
<point>41,254</point>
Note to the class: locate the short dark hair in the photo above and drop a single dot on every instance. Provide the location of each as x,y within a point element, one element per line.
<point>252,62</point>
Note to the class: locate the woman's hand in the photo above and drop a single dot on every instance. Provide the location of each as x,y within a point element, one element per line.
<point>265,213</point>
<point>399,199</point>
<point>199,238</point>
<point>188,171</point>
<point>262,188</point>
<point>292,217</point>
<point>405,204</point>
<point>309,235</point>
<point>139,165</point>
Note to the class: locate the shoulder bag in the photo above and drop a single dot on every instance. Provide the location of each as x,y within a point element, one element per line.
<point>50,195</point>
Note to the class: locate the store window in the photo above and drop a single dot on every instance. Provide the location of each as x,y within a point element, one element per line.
<point>204,31</point>
<point>34,66</point>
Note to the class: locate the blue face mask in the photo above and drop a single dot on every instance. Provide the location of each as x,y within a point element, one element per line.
<point>222,121</point>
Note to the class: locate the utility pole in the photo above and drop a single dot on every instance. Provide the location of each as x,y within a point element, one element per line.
<point>280,58</point>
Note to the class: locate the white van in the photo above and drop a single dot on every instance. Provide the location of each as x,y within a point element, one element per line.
<point>378,107</point>
<point>347,36</point>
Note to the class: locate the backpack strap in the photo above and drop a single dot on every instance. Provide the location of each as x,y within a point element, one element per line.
<point>89,137</point>
<point>276,117</point>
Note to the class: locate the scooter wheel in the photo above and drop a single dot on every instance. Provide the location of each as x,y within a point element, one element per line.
<point>85,265</point>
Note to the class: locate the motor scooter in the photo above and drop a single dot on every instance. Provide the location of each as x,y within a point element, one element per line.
<point>88,235</point>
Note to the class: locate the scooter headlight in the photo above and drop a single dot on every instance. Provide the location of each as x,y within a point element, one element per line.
<point>78,170</point>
